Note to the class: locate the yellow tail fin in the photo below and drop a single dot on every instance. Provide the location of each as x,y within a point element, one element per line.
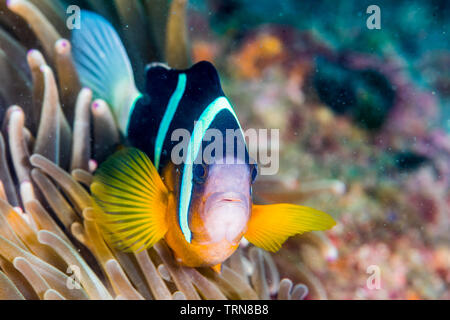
<point>271,225</point>
<point>133,200</point>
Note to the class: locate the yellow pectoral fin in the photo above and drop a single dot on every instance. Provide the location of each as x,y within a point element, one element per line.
<point>133,200</point>
<point>271,225</point>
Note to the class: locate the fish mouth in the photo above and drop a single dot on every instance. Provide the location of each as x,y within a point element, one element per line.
<point>226,215</point>
<point>218,199</point>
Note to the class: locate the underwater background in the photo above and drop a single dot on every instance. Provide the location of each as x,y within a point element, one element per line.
<point>364,120</point>
<point>368,108</point>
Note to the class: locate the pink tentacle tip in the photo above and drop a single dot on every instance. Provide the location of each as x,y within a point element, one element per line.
<point>16,109</point>
<point>332,254</point>
<point>18,210</point>
<point>93,165</point>
<point>10,3</point>
<point>62,46</point>
<point>95,105</point>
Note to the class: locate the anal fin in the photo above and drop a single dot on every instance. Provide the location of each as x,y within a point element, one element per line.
<point>217,268</point>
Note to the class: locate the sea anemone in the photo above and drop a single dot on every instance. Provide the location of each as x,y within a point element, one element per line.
<point>52,138</point>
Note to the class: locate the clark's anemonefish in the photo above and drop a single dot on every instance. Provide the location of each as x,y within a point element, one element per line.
<point>201,208</point>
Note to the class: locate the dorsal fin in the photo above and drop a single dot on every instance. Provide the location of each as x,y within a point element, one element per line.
<point>204,79</point>
<point>174,99</point>
<point>160,82</point>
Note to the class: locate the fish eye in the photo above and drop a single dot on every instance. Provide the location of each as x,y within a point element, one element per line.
<point>254,172</point>
<point>200,173</point>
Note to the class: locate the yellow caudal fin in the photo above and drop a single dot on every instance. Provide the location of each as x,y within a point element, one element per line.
<point>132,200</point>
<point>271,225</point>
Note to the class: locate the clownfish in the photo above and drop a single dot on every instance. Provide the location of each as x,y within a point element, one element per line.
<point>202,209</point>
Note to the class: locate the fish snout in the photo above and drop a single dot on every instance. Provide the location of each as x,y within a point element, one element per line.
<point>225,216</point>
